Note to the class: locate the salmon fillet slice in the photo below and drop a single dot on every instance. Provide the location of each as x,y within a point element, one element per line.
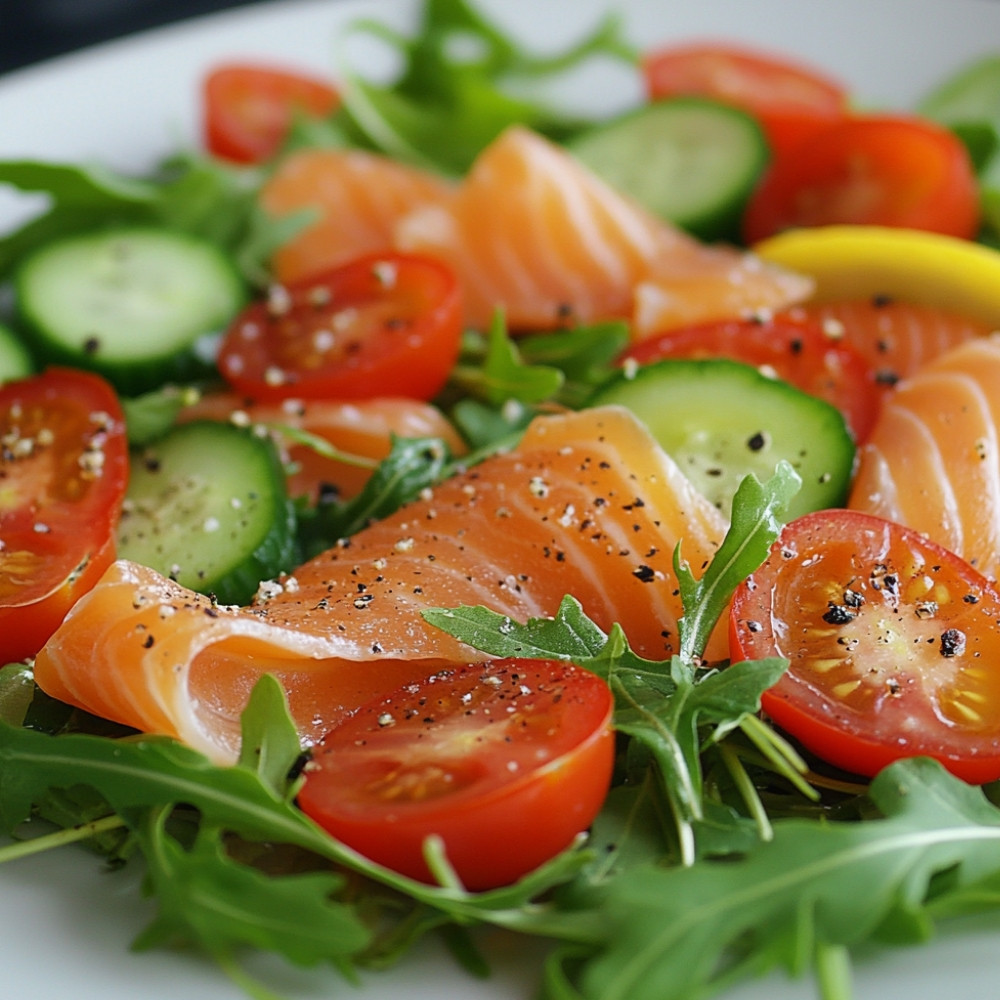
<point>533,231</point>
<point>588,504</point>
<point>933,459</point>
<point>356,199</point>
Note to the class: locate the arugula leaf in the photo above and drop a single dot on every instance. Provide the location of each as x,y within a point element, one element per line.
<point>413,464</point>
<point>269,743</point>
<point>499,374</point>
<point>461,84</point>
<point>192,194</point>
<point>204,897</point>
<point>152,414</point>
<point>812,889</point>
<point>79,198</point>
<point>562,366</point>
<point>584,354</point>
<point>755,523</point>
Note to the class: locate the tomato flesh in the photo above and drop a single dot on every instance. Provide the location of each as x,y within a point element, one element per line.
<point>506,761</point>
<point>795,347</point>
<point>886,170</point>
<point>383,324</point>
<point>63,470</point>
<point>892,641</point>
<point>248,109</point>
<point>790,100</point>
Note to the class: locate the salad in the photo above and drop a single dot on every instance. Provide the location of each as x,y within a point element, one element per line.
<point>726,783</point>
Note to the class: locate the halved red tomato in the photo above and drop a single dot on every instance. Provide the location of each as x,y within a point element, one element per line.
<point>506,761</point>
<point>793,346</point>
<point>891,641</point>
<point>789,99</point>
<point>63,471</point>
<point>382,325</point>
<point>883,170</point>
<point>248,109</point>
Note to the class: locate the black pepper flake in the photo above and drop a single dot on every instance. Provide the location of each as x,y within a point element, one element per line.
<point>148,644</point>
<point>886,377</point>
<point>644,573</point>
<point>852,598</point>
<point>880,300</point>
<point>971,599</point>
<point>839,614</point>
<point>952,642</point>
<point>91,345</point>
<point>756,441</point>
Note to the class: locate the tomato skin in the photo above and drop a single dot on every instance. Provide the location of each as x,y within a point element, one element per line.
<point>790,100</point>
<point>63,472</point>
<point>381,325</point>
<point>507,761</point>
<point>248,109</point>
<point>884,170</point>
<point>794,346</point>
<point>891,641</point>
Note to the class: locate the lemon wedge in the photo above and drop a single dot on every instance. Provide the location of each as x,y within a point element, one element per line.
<point>852,262</point>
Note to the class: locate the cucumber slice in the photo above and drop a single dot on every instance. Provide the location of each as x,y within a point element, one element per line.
<point>129,303</point>
<point>721,420</point>
<point>207,506</point>
<point>15,359</point>
<point>690,160</point>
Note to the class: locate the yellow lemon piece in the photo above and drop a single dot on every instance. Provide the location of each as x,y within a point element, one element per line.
<point>854,262</point>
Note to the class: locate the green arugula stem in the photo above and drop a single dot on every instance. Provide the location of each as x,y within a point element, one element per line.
<point>59,838</point>
<point>833,972</point>
<point>745,787</point>
<point>779,753</point>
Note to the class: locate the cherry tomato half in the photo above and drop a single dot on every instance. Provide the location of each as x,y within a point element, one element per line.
<point>892,642</point>
<point>63,471</point>
<point>382,325</point>
<point>507,761</point>
<point>882,170</point>
<point>248,109</point>
<point>794,347</point>
<point>789,100</point>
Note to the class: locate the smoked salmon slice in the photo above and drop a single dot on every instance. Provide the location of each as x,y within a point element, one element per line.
<point>356,197</point>
<point>588,504</point>
<point>363,429</point>
<point>532,230</point>
<point>933,458</point>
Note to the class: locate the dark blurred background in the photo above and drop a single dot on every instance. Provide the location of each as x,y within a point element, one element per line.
<point>37,29</point>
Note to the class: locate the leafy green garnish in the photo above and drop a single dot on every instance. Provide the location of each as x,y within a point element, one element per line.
<point>968,102</point>
<point>412,465</point>
<point>192,194</point>
<point>757,515</point>
<point>461,84</point>
<point>796,901</point>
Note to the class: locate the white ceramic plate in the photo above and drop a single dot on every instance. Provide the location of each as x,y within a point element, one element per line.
<point>65,924</point>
